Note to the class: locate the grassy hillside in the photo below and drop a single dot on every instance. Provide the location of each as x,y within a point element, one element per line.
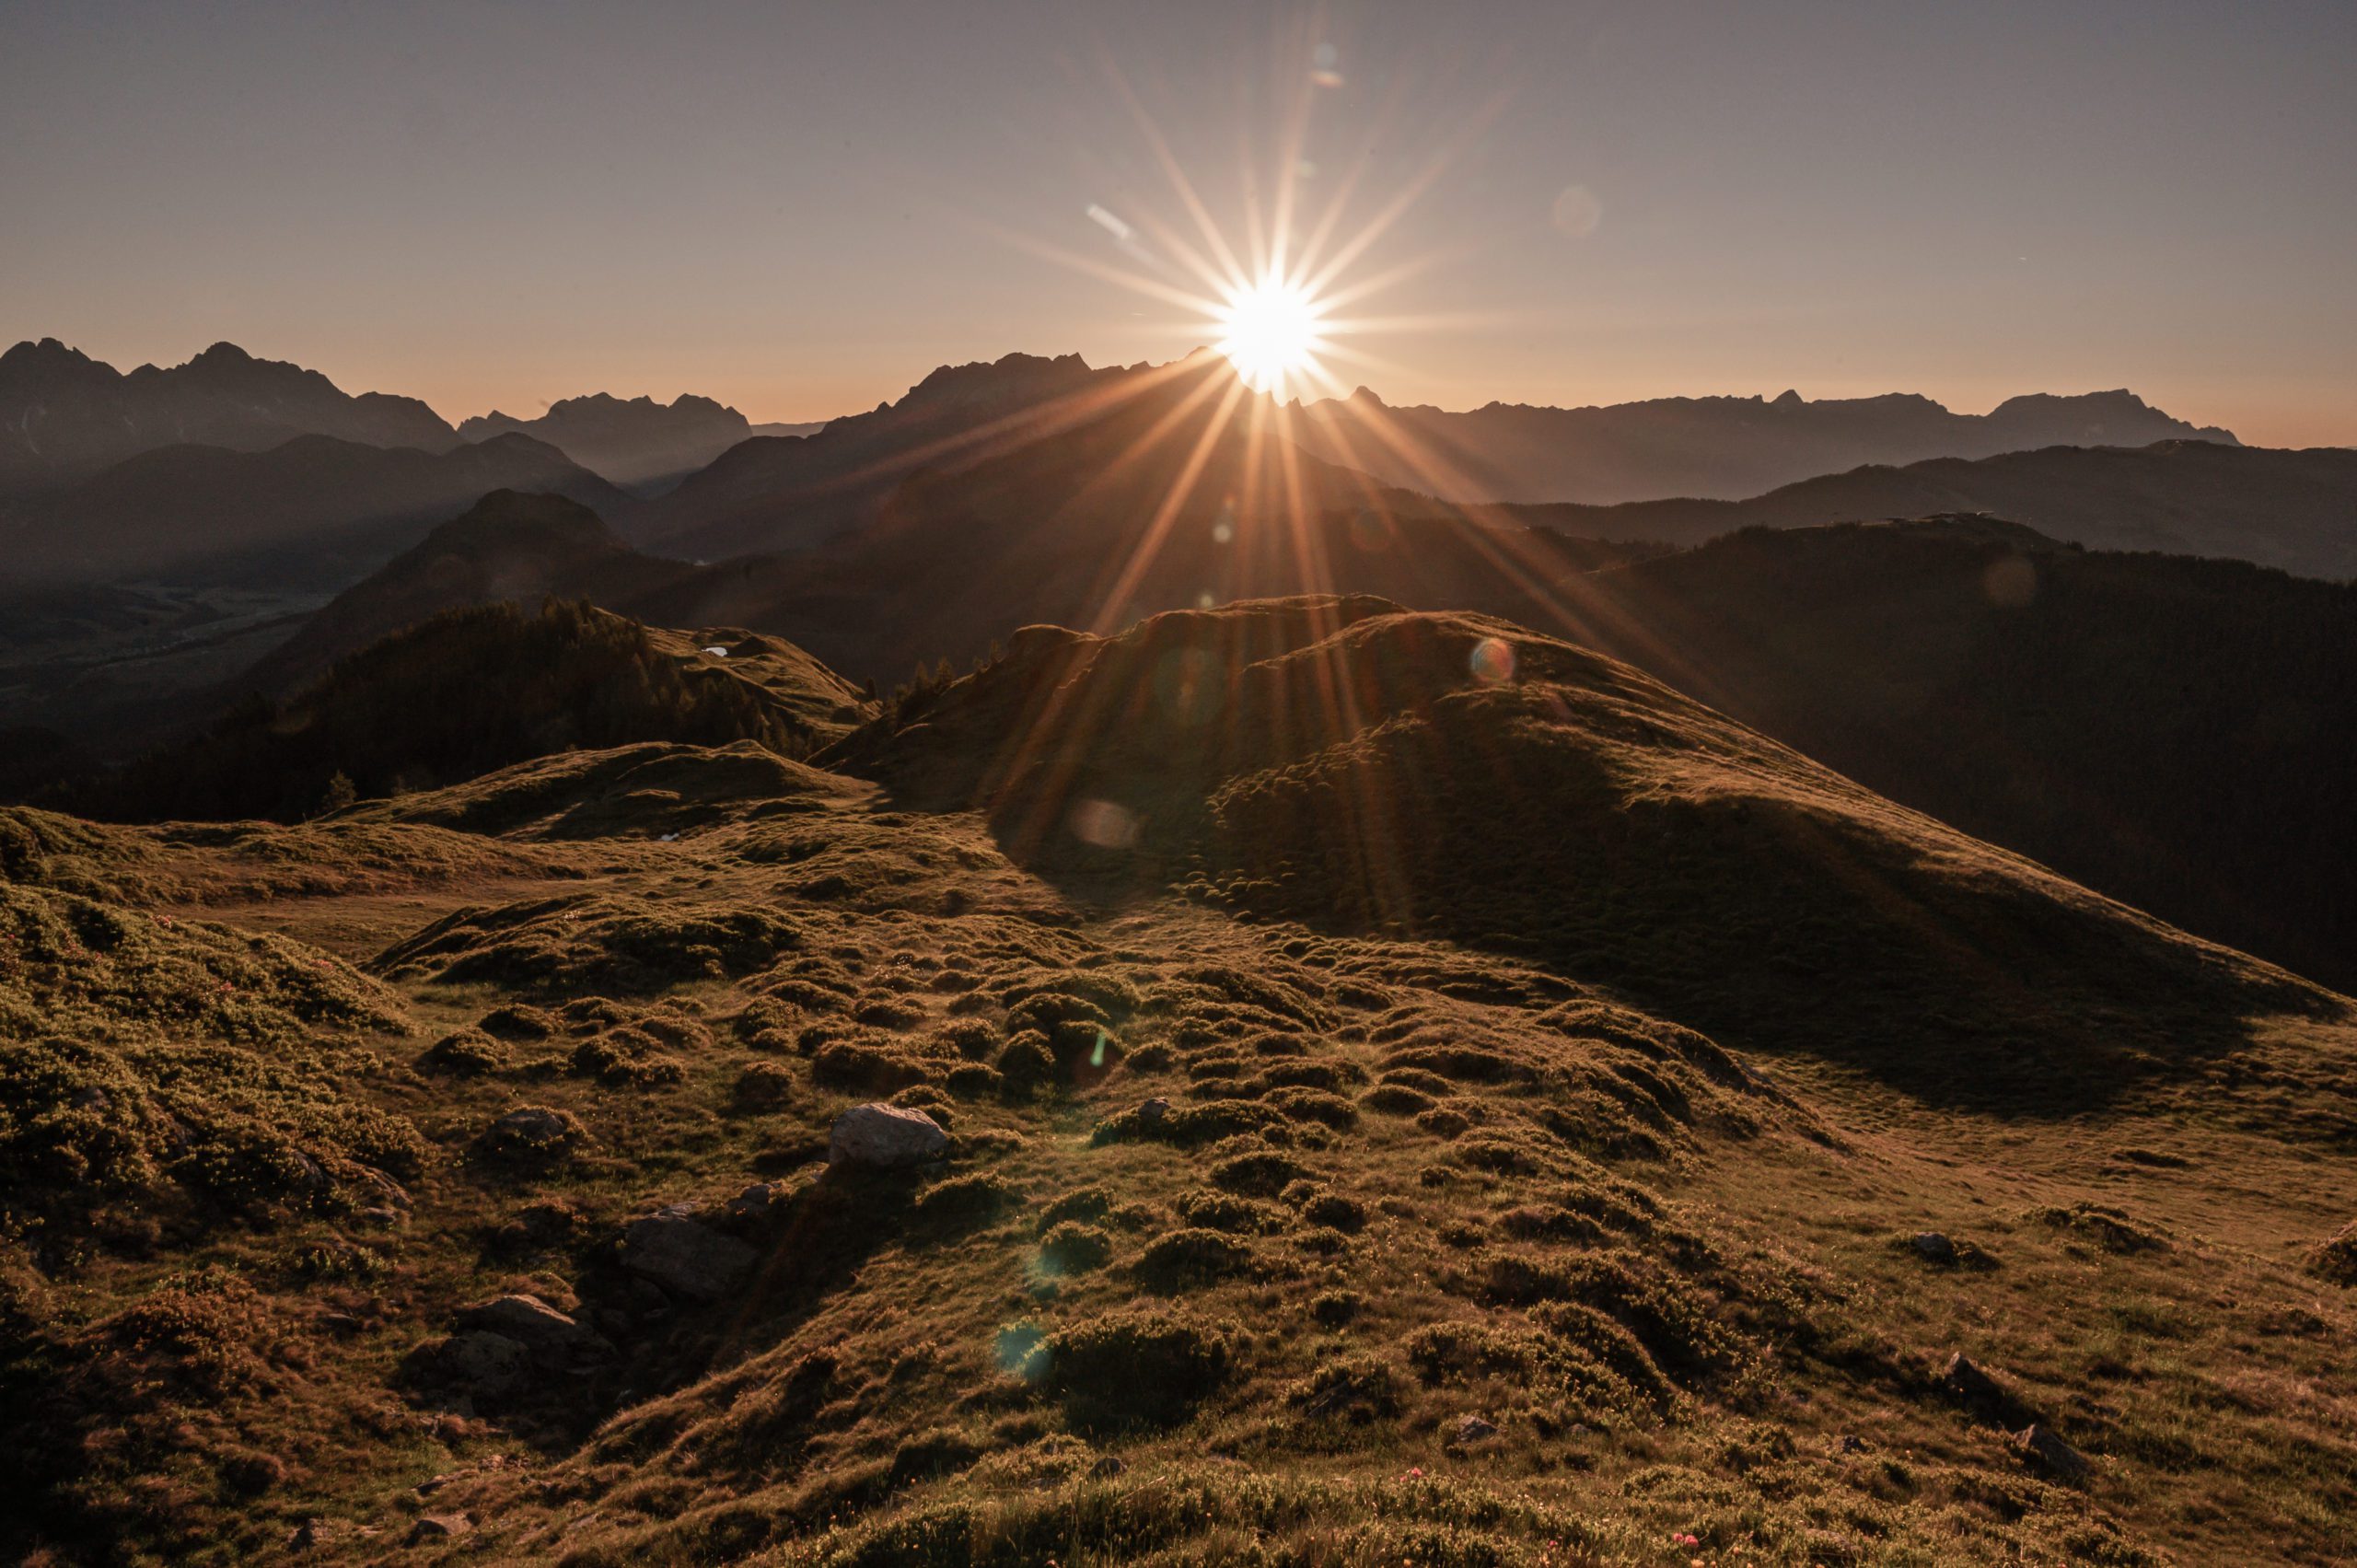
<point>1414,1091</point>
<point>2173,731</point>
<point>467,692</point>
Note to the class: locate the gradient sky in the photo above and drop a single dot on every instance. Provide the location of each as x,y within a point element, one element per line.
<point>801,210</point>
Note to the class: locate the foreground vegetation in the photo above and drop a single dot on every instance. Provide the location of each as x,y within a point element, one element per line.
<point>1415,1093</point>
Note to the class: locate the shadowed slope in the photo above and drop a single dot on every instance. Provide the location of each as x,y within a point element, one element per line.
<point>2174,732</point>
<point>507,546</point>
<point>2286,509</point>
<point>315,510</point>
<point>467,692</point>
<point>1346,764</point>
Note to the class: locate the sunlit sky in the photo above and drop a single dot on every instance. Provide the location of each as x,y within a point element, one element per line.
<point>800,210</point>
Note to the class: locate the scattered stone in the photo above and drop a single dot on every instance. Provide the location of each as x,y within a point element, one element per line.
<point>1851,1442</point>
<point>2040,1445</point>
<point>1934,1246</point>
<point>1109,1465</point>
<point>440,1527</point>
<point>1473,1428</point>
<point>1983,1395</point>
<point>1154,1111</point>
<point>319,1530</point>
<point>340,1323</point>
<point>533,1133</point>
<point>884,1137</point>
<point>683,1255</point>
<point>762,1201</point>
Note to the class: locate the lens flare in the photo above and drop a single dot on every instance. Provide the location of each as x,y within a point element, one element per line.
<point>1269,330</point>
<point>1493,661</point>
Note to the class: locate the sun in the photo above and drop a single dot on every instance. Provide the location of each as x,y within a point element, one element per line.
<point>1271,331</point>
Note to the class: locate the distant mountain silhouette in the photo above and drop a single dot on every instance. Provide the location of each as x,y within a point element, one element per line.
<point>2295,510</point>
<point>64,415</point>
<point>1700,446</point>
<point>638,443</point>
<point>790,493</point>
<point>317,506</point>
<point>1165,496</point>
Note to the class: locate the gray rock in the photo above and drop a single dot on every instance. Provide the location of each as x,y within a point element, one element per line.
<point>683,1255</point>
<point>1969,1382</point>
<point>1151,1112</point>
<point>2048,1452</point>
<point>884,1137</point>
<point>1931,1245</point>
<point>383,1191</point>
<point>540,1328</point>
<point>533,1123</point>
<point>484,1364</point>
<point>1473,1428</point>
<point>762,1201</point>
<point>440,1527</point>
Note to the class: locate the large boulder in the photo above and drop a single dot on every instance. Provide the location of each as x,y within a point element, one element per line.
<point>484,1365</point>
<point>884,1137</point>
<point>547,1334</point>
<point>687,1258</point>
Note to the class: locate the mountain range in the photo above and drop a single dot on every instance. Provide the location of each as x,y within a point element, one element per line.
<point>2292,509</point>
<point>64,415</point>
<point>1712,447</point>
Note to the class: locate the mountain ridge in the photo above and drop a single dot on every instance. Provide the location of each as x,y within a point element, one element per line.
<point>1710,447</point>
<point>64,415</point>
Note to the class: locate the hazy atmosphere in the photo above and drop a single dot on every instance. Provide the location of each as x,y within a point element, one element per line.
<point>799,210</point>
<point>1196,786</point>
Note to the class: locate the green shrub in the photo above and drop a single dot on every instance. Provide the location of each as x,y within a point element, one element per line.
<point>1131,1368</point>
<point>1262,1174</point>
<point>964,1201</point>
<point>1180,1260</point>
<point>1355,1388</point>
<point>1072,1248</point>
<point>467,1052</point>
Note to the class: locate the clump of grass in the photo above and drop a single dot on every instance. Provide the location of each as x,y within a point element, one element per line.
<point>2107,1228</point>
<point>963,1202</point>
<point>1187,1259</point>
<point>628,1057</point>
<point>467,1052</point>
<point>1353,1388</point>
<point>532,1137</point>
<point>1133,1369</point>
<point>2334,1260</point>
<point>764,1086</point>
<point>1073,1246</point>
